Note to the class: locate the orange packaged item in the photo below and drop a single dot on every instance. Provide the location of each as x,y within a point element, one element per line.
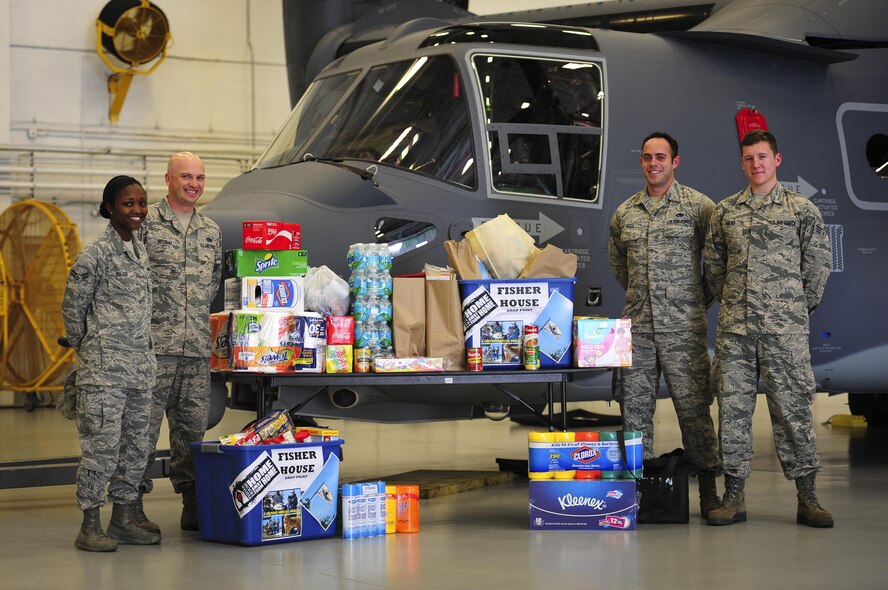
<point>408,509</point>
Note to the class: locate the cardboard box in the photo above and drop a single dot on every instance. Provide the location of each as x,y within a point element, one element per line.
<point>568,504</point>
<point>340,330</point>
<point>266,494</point>
<point>496,311</point>
<point>602,342</point>
<point>271,235</point>
<point>257,263</point>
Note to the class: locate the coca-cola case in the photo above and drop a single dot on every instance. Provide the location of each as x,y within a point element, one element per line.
<point>271,235</point>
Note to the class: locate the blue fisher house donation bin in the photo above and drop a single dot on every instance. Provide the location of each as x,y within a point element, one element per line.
<point>495,312</point>
<point>264,494</point>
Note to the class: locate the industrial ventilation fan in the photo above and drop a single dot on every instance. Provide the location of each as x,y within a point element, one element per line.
<point>134,32</point>
<point>38,245</point>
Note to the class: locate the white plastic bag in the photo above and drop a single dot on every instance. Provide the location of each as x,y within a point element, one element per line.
<point>326,292</point>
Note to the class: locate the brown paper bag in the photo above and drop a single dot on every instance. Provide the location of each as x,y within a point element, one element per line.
<point>550,263</point>
<point>444,326</point>
<point>408,316</point>
<point>461,258</point>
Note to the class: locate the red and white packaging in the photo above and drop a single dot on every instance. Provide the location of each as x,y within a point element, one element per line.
<point>271,235</point>
<point>340,330</point>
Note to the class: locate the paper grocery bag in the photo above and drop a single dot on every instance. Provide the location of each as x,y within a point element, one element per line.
<point>502,245</point>
<point>409,316</point>
<point>461,258</point>
<point>550,263</point>
<point>444,326</point>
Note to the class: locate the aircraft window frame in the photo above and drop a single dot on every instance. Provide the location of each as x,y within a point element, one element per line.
<point>287,145</point>
<point>499,131</point>
<point>428,139</point>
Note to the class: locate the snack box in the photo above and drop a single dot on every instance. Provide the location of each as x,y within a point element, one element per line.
<point>255,263</point>
<point>273,293</point>
<point>570,504</point>
<point>602,342</point>
<point>266,494</point>
<point>495,313</point>
<point>271,235</point>
<point>407,364</point>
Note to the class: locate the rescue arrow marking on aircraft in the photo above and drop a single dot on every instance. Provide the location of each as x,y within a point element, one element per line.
<point>803,187</point>
<point>544,228</point>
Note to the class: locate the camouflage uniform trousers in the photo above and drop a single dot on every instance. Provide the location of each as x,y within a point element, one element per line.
<point>183,393</point>
<point>784,363</point>
<point>683,360</point>
<point>113,426</point>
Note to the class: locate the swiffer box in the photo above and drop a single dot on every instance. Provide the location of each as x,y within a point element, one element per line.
<point>266,494</point>
<point>569,504</point>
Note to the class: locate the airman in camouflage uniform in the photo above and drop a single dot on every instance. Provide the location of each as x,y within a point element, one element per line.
<point>655,248</point>
<point>185,249</point>
<point>106,311</point>
<point>768,259</point>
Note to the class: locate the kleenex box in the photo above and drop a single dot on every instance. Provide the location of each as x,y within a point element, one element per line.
<point>568,504</point>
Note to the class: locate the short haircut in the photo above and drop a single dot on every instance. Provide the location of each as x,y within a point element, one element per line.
<point>673,145</point>
<point>758,136</point>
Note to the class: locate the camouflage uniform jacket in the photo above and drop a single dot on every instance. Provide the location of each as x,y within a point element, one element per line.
<point>106,310</point>
<point>655,255</point>
<point>767,262</point>
<point>185,270</point>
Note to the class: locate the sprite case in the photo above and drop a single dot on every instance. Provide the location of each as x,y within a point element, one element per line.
<point>256,263</point>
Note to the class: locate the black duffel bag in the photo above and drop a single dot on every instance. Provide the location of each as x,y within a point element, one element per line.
<point>662,490</point>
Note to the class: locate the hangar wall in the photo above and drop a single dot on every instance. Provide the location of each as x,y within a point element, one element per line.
<point>222,93</point>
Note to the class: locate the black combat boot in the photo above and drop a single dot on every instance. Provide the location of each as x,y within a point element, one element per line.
<point>91,536</point>
<point>733,505</point>
<point>124,529</point>
<point>189,522</point>
<point>810,512</point>
<point>709,500</point>
<point>141,520</point>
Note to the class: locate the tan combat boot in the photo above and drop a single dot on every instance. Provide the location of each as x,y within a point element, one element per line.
<point>91,536</point>
<point>709,499</point>
<point>124,529</point>
<point>189,520</point>
<point>733,505</point>
<point>141,520</point>
<point>810,512</point>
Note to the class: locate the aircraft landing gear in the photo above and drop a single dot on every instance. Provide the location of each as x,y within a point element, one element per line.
<point>874,406</point>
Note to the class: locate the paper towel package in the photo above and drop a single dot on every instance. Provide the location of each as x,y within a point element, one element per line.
<point>277,342</point>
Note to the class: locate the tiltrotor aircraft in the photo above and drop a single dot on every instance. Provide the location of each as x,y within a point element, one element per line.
<point>442,124</point>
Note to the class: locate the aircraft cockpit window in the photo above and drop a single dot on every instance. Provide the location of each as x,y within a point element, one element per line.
<point>410,114</point>
<point>403,235</point>
<point>544,125</point>
<point>317,102</point>
<point>877,154</point>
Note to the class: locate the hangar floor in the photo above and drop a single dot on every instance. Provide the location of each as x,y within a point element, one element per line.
<point>476,539</point>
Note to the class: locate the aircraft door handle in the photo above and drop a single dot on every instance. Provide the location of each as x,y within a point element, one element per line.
<point>593,299</point>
